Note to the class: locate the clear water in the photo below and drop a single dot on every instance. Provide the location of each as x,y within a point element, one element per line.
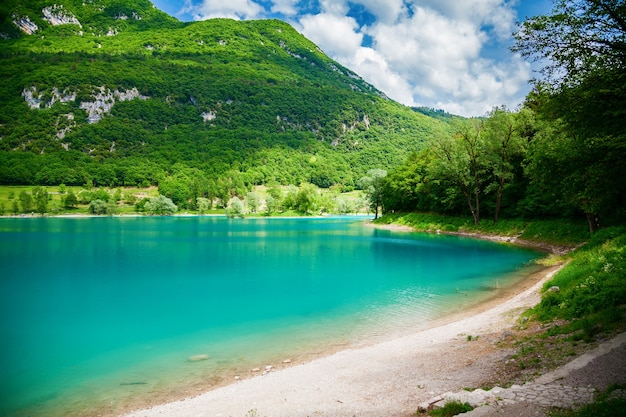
<point>96,312</point>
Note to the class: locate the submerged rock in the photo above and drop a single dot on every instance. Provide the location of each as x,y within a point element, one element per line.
<point>197,358</point>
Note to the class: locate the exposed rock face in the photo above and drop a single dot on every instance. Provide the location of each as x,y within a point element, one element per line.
<point>208,116</point>
<point>35,98</point>
<point>25,25</point>
<point>56,15</point>
<point>104,101</point>
<point>64,125</point>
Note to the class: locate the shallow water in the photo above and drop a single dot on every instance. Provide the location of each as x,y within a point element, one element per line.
<point>97,312</point>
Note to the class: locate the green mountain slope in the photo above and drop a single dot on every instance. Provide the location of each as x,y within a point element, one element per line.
<point>120,93</point>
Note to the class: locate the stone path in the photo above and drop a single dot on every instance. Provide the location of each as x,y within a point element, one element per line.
<point>562,388</point>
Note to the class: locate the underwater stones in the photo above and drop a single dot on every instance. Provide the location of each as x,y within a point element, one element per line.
<point>198,358</point>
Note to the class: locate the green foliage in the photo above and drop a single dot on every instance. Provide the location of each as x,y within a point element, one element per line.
<point>373,186</point>
<point>26,201</point>
<point>203,205</point>
<point>253,201</point>
<point>40,196</point>
<point>592,286</point>
<point>556,231</point>
<point>98,206</point>
<point>70,200</point>
<point>451,408</point>
<point>236,208</point>
<point>575,158</point>
<point>559,231</point>
<point>160,205</point>
<point>306,199</point>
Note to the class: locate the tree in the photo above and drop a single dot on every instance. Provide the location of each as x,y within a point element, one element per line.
<point>271,205</point>
<point>40,196</point>
<point>582,149</point>
<point>373,184</point>
<point>306,198</point>
<point>459,160</point>
<point>504,145</point>
<point>579,38</point>
<point>253,200</point>
<point>26,200</point>
<point>203,204</point>
<point>160,205</point>
<point>409,187</point>
<point>236,208</point>
<point>98,206</point>
<point>70,200</point>
<point>175,188</point>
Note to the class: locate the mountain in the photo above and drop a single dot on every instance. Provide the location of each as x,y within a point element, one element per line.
<point>119,93</point>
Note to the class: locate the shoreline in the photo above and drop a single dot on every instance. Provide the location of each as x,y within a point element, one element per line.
<point>389,377</point>
<point>511,240</point>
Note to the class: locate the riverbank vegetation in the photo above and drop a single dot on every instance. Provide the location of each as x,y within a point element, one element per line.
<point>273,200</point>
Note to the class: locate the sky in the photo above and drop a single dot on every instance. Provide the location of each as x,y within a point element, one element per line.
<point>445,54</point>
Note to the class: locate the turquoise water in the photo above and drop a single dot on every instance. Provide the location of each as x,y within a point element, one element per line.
<point>96,312</point>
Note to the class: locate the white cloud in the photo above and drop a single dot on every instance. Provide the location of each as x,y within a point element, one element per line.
<point>373,67</point>
<point>233,9</point>
<point>285,7</point>
<point>497,13</point>
<point>335,34</point>
<point>387,12</point>
<point>431,56</point>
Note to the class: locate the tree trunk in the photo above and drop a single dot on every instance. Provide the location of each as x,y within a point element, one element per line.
<point>498,201</point>
<point>475,211</point>
<point>593,221</point>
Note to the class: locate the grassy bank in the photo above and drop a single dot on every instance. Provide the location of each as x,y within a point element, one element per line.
<point>565,232</point>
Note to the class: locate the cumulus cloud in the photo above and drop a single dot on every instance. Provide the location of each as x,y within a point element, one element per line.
<point>421,52</point>
<point>233,9</point>
<point>285,7</point>
<point>335,34</point>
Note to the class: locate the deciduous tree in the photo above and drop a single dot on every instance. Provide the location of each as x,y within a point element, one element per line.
<point>372,184</point>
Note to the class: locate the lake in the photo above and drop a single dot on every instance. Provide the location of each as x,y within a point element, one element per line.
<point>101,313</point>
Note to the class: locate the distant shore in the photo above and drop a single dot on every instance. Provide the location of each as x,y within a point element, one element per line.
<point>389,378</point>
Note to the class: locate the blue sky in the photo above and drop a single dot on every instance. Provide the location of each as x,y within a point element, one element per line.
<point>447,54</point>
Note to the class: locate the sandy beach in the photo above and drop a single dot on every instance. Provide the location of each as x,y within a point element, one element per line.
<point>389,378</point>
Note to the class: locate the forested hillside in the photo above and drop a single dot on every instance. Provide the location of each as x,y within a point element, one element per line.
<point>116,92</point>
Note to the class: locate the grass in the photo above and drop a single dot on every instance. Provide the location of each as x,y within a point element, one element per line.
<point>450,409</point>
<point>554,231</point>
